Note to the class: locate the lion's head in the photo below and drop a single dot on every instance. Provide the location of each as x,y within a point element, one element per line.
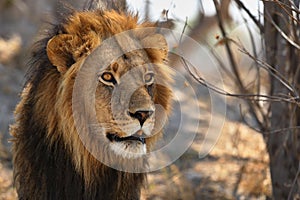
<point>131,95</point>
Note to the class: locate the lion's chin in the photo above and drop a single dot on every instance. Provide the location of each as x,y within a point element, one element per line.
<point>129,149</point>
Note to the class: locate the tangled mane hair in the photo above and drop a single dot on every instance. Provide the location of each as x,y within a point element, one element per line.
<point>50,163</point>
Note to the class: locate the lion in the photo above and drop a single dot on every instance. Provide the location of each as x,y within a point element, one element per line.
<point>52,158</point>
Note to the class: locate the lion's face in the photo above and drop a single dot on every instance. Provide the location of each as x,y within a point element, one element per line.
<point>131,98</point>
<point>125,104</point>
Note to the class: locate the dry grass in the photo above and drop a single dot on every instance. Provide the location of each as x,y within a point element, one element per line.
<point>237,168</point>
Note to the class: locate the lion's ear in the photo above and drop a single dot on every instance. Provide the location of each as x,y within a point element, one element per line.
<point>156,46</point>
<point>59,51</point>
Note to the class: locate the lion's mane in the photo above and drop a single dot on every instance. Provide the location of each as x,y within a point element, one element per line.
<point>47,164</point>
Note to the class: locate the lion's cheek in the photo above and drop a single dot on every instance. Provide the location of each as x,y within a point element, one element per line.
<point>103,115</point>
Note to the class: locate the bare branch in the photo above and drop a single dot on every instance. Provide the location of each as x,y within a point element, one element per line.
<point>183,30</point>
<point>254,54</point>
<point>242,6</point>
<point>228,49</point>
<point>219,60</point>
<point>253,106</point>
<point>282,4</point>
<point>254,97</point>
<point>273,72</point>
<point>289,40</point>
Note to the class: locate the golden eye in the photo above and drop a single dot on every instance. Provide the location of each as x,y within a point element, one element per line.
<point>108,77</point>
<point>149,78</point>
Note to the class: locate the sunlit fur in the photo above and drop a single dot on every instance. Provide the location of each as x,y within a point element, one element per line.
<point>50,161</point>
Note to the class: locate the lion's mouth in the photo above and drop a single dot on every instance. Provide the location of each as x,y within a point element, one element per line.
<point>113,137</point>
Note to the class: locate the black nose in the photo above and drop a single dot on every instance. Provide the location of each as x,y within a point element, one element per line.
<point>141,115</point>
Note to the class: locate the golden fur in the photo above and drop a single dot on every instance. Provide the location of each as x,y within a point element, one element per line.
<point>50,159</point>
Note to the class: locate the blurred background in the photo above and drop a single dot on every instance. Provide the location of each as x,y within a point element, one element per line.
<point>237,166</point>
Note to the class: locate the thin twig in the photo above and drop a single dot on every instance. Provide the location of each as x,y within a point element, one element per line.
<point>228,49</point>
<point>283,130</point>
<point>294,182</point>
<point>254,97</point>
<point>273,72</point>
<point>256,104</point>
<point>283,4</point>
<point>219,60</point>
<point>266,133</point>
<point>289,40</point>
<point>252,106</point>
<point>254,54</point>
<point>252,17</point>
<point>183,30</point>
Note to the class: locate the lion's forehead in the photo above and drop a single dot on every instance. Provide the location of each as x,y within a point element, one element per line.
<point>136,63</point>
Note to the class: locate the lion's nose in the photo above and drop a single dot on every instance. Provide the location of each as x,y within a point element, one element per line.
<point>141,115</point>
